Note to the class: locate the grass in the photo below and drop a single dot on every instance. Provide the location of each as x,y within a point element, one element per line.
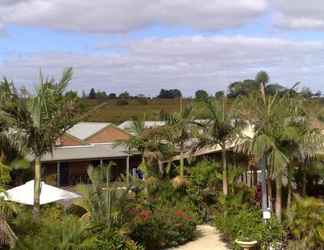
<point>113,111</point>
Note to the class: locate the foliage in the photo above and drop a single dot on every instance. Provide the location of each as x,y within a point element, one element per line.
<point>68,233</point>
<point>169,93</point>
<point>242,88</point>
<point>178,130</point>
<point>306,223</point>
<point>160,228</point>
<point>237,218</point>
<point>205,174</point>
<point>221,129</point>
<point>40,118</point>
<point>100,200</point>
<point>201,94</point>
<point>124,95</point>
<point>219,94</point>
<point>113,240</point>
<point>57,230</point>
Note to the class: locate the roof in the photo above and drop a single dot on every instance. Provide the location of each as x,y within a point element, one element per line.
<point>92,151</point>
<point>127,125</point>
<point>83,130</point>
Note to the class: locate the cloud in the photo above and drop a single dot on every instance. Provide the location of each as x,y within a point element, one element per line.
<point>299,14</point>
<point>118,16</point>
<point>188,63</point>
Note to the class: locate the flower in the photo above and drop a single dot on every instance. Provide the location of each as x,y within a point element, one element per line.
<point>179,213</point>
<point>145,215</point>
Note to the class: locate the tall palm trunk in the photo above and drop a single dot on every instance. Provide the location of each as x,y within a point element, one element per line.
<point>289,195</point>
<point>269,193</point>
<point>37,187</point>
<point>279,196</point>
<point>225,174</point>
<point>263,166</point>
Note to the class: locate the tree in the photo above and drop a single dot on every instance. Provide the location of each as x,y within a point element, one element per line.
<point>178,130</point>
<point>124,95</point>
<point>101,94</point>
<point>262,77</point>
<point>219,94</point>
<point>42,118</point>
<point>273,89</point>
<point>169,94</point>
<point>101,201</point>
<point>221,129</point>
<point>92,94</point>
<point>72,94</point>
<point>201,94</point>
<point>150,142</point>
<point>112,96</point>
<point>242,88</point>
<point>275,120</point>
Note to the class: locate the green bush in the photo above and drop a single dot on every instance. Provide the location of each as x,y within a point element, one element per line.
<point>55,230</point>
<point>238,219</point>
<point>205,174</point>
<point>112,240</point>
<point>68,234</point>
<point>306,224</point>
<point>160,228</point>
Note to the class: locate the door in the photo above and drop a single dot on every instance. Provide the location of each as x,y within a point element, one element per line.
<point>64,174</point>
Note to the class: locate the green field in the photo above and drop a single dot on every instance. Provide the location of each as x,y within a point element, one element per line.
<point>112,111</point>
<point>115,112</point>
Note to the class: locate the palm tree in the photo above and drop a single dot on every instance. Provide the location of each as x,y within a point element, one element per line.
<point>41,118</point>
<point>150,143</point>
<point>220,129</point>
<point>275,119</point>
<point>100,200</point>
<point>304,145</point>
<point>179,130</point>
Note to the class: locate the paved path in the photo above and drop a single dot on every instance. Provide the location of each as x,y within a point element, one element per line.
<point>207,239</point>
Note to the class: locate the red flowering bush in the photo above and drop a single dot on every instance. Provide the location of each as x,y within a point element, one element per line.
<point>160,227</point>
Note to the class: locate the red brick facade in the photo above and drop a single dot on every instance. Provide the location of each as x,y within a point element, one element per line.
<point>108,134</point>
<point>68,140</point>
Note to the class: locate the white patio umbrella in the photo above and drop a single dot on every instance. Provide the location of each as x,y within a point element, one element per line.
<point>24,194</point>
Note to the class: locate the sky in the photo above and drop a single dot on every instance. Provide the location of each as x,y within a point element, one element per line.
<point>144,45</point>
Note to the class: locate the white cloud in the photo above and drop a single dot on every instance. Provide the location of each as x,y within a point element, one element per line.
<point>188,63</point>
<point>299,14</point>
<point>128,15</point>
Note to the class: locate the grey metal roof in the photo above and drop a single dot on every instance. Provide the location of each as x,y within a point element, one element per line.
<point>84,130</point>
<point>92,151</point>
<point>127,125</point>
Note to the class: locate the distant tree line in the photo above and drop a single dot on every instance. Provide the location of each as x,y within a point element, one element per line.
<point>98,94</point>
<point>247,86</point>
<point>234,90</point>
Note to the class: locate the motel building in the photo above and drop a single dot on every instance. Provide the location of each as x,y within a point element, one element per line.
<point>85,144</point>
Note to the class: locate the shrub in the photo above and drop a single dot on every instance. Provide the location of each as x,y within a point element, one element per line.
<point>67,233</point>
<point>70,233</point>
<point>112,240</point>
<point>205,174</point>
<point>238,219</point>
<point>161,228</point>
<point>306,224</point>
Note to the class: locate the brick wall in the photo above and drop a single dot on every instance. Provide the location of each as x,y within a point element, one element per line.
<point>67,140</point>
<point>108,134</point>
